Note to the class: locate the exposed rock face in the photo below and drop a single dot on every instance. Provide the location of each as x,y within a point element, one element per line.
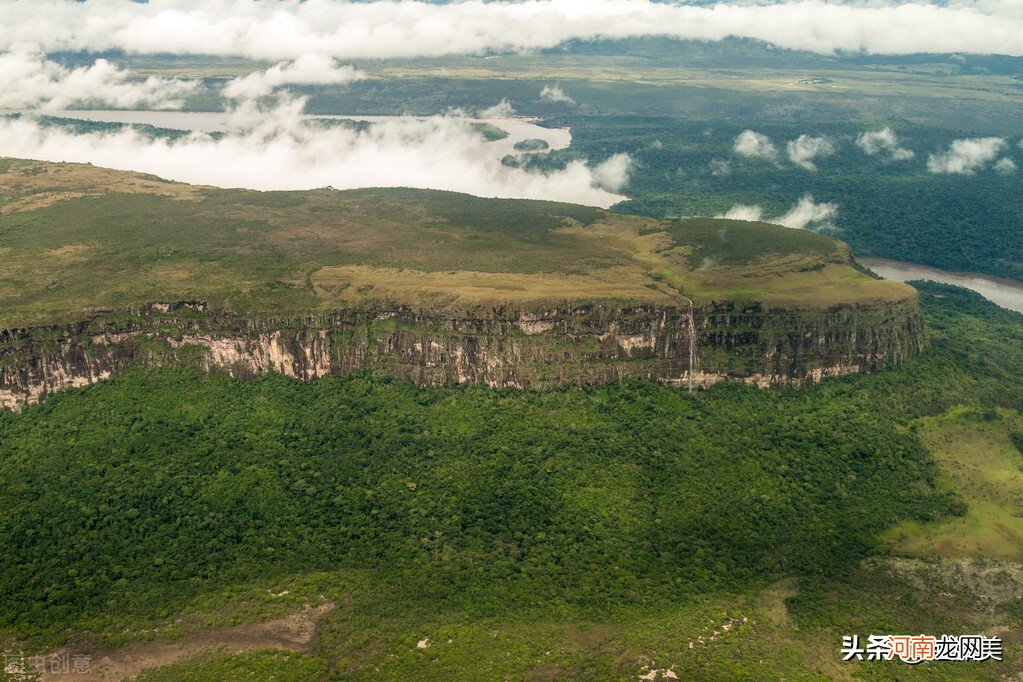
<point>501,347</point>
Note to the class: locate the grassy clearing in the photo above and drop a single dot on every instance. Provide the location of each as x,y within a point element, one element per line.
<point>829,285</point>
<point>981,462</point>
<point>28,185</point>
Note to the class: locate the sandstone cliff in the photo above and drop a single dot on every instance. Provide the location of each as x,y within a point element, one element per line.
<point>105,269</point>
<point>500,346</point>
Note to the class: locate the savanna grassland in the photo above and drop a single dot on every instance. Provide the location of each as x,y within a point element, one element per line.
<point>77,239</point>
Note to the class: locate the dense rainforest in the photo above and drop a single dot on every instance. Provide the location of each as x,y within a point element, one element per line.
<point>132,496</point>
<point>884,207</point>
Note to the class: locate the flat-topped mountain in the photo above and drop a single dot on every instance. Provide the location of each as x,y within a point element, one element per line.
<point>104,267</point>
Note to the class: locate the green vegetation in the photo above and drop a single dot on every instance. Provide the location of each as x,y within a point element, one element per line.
<point>77,239</point>
<point>490,132</point>
<point>471,497</point>
<point>607,526</point>
<point>891,209</point>
<point>259,665</point>
<point>532,145</point>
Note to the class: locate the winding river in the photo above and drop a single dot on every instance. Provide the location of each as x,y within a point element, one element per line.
<point>1004,292</point>
<point>518,129</point>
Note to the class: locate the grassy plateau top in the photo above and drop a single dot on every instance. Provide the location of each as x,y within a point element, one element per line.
<point>76,239</point>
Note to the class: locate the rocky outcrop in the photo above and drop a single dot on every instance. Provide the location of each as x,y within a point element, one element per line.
<point>499,346</point>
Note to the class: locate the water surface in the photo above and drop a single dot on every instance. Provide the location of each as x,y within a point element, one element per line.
<point>518,129</point>
<point>1005,292</point>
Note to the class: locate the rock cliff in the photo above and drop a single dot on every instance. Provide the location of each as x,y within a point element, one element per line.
<point>500,346</point>
<point>104,269</point>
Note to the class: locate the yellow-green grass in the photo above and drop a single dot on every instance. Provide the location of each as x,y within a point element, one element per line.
<point>832,284</point>
<point>76,239</point>
<point>360,283</point>
<point>980,463</point>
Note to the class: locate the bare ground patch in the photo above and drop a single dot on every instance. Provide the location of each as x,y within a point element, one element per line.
<point>293,632</point>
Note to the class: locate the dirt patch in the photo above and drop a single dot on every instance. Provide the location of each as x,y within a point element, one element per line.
<point>293,632</point>
<point>70,252</point>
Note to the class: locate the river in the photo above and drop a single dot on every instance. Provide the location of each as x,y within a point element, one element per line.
<point>1005,292</point>
<point>518,129</point>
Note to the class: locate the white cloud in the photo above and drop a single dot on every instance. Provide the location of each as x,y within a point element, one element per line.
<point>1005,166</point>
<point>286,29</point>
<point>883,142</point>
<point>502,109</point>
<point>554,93</point>
<point>804,149</point>
<point>752,143</point>
<point>803,214</point>
<point>719,167</point>
<point>307,69</point>
<point>613,174</point>
<point>29,81</point>
<point>808,213</point>
<point>279,149</point>
<point>743,212</point>
<point>966,156</point>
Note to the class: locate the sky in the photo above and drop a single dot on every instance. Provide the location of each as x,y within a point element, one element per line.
<point>287,29</point>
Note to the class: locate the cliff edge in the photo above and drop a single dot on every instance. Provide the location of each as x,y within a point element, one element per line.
<point>105,269</point>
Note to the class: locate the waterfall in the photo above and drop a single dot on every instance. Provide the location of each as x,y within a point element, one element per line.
<point>692,345</point>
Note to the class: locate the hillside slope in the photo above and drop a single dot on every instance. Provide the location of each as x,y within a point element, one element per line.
<point>433,286</point>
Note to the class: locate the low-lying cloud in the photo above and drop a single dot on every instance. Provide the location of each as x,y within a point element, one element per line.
<point>554,93</point>
<point>1005,166</point>
<point>966,156</point>
<point>883,143</point>
<point>286,29</point>
<point>804,149</point>
<point>801,151</point>
<point>308,69</point>
<point>30,81</point>
<point>805,213</point>
<point>808,213</point>
<point>754,144</point>
<point>502,109</point>
<point>280,149</point>
<point>743,212</point>
<point>613,174</point>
